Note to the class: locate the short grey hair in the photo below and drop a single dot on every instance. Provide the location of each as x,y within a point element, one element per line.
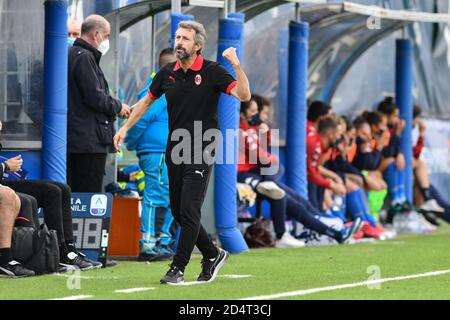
<point>92,23</point>
<point>200,32</point>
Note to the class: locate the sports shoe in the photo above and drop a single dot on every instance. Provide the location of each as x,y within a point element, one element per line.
<point>433,206</point>
<point>406,206</point>
<point>358,235</point>
<point>110,263</point>
<point>73,259</point>
<point>174,276</point>
<point>388,234</point>
<point>165,252</point>
<point>371,232</point>
<point>66,268</point>
<point>425,226</point>
<point>210,268</point>
<point>15,270</point>
<point>394,210</point>
<point>271,190</point>
<point>152,255</point>
<point>349,231</point>
<point>288,241</point>
<point>430,217</point>
<point>95,264</point>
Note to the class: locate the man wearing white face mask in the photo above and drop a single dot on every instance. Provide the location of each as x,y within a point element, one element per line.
<point>91,109</point>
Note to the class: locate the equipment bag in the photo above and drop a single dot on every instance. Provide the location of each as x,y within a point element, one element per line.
<point>36,248</point>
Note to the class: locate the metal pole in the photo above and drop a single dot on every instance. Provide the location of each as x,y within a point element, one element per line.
<point>111,160</point>
<point>152,45</point>
<point>232,5</point>
<point>176,6</point>
<point>297,12</point>
<point>223,13</point>
<point>116,53</point>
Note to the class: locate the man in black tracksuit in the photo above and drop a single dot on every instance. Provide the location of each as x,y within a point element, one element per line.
<point>54,198</point>
<point>192,86</point>
<point>92,110</point>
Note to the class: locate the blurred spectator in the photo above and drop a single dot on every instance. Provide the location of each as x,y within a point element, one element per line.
<point>73,31</point>
<point>319,179</point>
<point>250,154</point>
<point>317,110</point>
<point>424,197</point>
<point>295,206</point>
<point>393,163</point>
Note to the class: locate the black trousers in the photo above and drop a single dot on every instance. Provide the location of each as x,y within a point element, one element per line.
<point>28,215</point>
<point>188,184</point>
<point>54,198</point>
<point>85,171</point>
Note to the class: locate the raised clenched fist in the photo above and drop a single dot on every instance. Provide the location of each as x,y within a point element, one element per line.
<point>231,56</point>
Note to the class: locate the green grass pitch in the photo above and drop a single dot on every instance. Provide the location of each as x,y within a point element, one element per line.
<point>271,271</point>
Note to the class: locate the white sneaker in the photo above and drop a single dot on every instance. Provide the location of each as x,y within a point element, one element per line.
<point>270,190</point>
<point>288,241</point>
<point>389,234</point>
<point>425,226</point>
<point>432,205</point>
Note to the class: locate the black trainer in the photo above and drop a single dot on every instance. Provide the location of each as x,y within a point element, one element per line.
<point>394,210</point>
<point>64,268</point>
<point>348,232</point>
<point>406,206</point>
<point>95,264</point>
<point>173,276</point>
<point>74,260</point>
<point>430,217</point>
<point>110,263</point>
<point>15,270</point>
<point>210,268</point>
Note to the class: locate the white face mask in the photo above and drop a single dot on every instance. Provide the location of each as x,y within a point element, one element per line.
<point>103,46</point>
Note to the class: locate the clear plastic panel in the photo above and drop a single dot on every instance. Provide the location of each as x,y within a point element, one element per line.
<point>21,70</point>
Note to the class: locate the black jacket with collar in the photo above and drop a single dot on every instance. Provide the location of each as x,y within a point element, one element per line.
<point>91,109</point>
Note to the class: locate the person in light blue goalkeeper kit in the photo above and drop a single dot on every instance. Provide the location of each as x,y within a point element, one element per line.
<point>149,137</point>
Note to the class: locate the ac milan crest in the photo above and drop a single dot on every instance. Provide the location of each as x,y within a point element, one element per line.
<point>198,79</point>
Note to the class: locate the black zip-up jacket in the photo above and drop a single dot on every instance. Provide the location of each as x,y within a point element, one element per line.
<point>92,110</point>
<point>369,160</point>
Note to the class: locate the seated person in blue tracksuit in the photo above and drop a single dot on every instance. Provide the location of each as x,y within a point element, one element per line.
<point>337,162</point>
<point>149,138</point>
<point>393,163</point>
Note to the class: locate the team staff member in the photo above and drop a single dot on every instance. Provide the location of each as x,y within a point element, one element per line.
<point>192,86</point>
<point>149,137</point>
<point>92,110</point>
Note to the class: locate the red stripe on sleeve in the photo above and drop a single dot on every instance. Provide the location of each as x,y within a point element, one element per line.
<point>152,96</point>
<point>231,86</point>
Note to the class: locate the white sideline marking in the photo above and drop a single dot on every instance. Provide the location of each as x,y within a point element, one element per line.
<point>83,277</point>
<point>229,276</point>
<point>131,290</point>
<point>189,283</point>
<point>345,286</point>
<point>236,276</point>
<point>73,298</point>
